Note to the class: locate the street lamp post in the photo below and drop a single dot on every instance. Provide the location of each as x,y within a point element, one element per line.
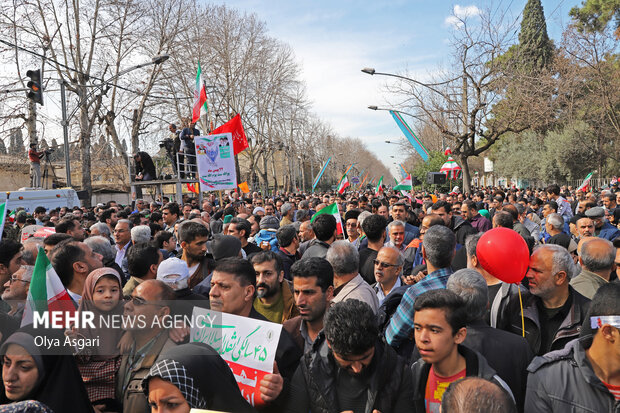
<point>156,60</point>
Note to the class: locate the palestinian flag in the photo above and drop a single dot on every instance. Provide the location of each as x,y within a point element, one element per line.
<point>344,184</point>
<point>46,291</point>
<point>200,96</point>
<point>404,185</point>
<point>379,188</point>
<point>332,210</point>
<point>2,217</point>
<point>586,182</point>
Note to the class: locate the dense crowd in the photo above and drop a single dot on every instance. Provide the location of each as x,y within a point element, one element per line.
<point>387,305</point>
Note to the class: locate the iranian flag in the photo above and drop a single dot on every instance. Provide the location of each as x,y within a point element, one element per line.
<point>2,217</point>
<point>46,292</point>
<point>332,210</point>
<point>404,185</point>
<point>200,96</point>
<point>586,182</point>
<point>379,188</point>
<point>344,184</point>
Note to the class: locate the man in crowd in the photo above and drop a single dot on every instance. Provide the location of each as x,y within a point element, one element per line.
<point>388,270</point>
<point>456,223</point>
<point>440,329</point>
<point>73,261</point>
<point>400,213</point>
<point>288,242</point>
<point>193,237</point>
<point>142,263</point>
<point>109,218</point>
<point>324,227</point>
<point>585,227</point>
<point>241,228</point>
<point>313,280</point>
<point>602,227</point>
<point>348,283</point>
<point>469,212</point>
<point>170,212</point>
<point>554,312</point>
<point>122,238</point>
<point>16,290</point>
<point>349,367</point>
<point>274,294</point>
<point>350,223</point>
<point>564,208</point>
<point>233,286</point>
<point>438,251</point>
<point>10,259</point>
<point>471,287</point>
<point>396,232</point>
<point>71,227</point>
<point>374,229</point>
<point>597,263</point>
<point>583,376</point>
<point>150,302</point>
<point>288,214</point>
<point>474,394</point>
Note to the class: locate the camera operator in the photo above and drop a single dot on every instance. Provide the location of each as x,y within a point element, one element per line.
<point>35,165</point>
<point>145,168</point>
<point>187,146</point>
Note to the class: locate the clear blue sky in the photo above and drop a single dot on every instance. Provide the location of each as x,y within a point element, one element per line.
<point>333,40</point>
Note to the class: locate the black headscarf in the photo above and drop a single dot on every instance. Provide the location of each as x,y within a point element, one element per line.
<point>202,376</point>
<point>59,385</point>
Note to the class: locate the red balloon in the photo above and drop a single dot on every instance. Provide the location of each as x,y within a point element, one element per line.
<point>504,254</point>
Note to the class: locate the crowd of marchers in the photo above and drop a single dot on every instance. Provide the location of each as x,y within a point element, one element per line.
<point>387,303</point>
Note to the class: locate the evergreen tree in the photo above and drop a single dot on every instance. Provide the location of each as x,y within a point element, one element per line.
<point>2,147</point>
<point>16,146</point>
<point>535,49</point>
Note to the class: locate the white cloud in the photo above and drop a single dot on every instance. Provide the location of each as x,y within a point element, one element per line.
<point>460,13</point>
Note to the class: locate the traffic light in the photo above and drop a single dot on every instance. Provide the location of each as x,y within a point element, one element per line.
<point>36,90</point>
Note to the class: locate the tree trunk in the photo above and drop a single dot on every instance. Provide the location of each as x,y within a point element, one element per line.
<point>466,175</point>
<point>85,149</point>
<point>31,123</point>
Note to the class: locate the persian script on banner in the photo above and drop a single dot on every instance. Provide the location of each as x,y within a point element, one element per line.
<point>247,345</point>
<point>216,162</point>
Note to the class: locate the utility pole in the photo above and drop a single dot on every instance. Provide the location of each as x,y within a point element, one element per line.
<point>65,132</point>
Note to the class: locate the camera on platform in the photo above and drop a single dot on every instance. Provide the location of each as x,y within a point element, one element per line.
<point>48,151</point>
<point>167,143</point>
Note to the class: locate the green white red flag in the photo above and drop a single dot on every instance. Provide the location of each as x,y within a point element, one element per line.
<point>2,216</point>
<point>379,188</point>
<point>586,182</point>
<point>344,184</point>
<point>200,96</point>
<point>332,210</point>
<point>46,292</point>
<point>404,185</point>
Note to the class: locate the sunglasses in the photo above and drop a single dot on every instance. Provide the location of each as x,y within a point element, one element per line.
<point>382,264</point>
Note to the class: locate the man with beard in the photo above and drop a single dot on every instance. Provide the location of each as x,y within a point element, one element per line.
<point>313,280</point>
<point>274,295</point>
<point>193,237</point>
<point>350,368</point>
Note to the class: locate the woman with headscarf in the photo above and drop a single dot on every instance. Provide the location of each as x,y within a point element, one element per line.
<point>30,374</point>
<point>193,376</point>
<point>102,296</point>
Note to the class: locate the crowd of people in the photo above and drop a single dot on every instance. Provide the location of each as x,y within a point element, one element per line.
<point>385,307</point>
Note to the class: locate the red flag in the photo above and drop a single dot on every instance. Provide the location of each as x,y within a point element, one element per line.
<point>235,127</point>
<point>191,188</point>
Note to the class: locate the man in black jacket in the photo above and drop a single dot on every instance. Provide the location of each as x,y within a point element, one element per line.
<point>492,343</point>
<point>456,223</point>
<point>350,368</point>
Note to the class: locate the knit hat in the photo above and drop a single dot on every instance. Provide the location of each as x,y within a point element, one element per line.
<point>269,222</point>
<point>172,266</point>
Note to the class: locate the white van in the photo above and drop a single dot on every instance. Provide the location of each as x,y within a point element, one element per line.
<point>29,198</point>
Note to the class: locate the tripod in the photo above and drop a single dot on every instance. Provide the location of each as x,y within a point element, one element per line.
<point>45,176</point>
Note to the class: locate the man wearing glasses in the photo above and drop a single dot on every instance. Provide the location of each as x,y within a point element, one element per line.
<point>150,302</point>
<point>16,290</point>
<point>388,268</point>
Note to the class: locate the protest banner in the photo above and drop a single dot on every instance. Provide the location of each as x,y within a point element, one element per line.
<point>216,162</point>
<point>247,345</point>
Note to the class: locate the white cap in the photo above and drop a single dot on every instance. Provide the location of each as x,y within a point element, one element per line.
<point>170,267</point>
